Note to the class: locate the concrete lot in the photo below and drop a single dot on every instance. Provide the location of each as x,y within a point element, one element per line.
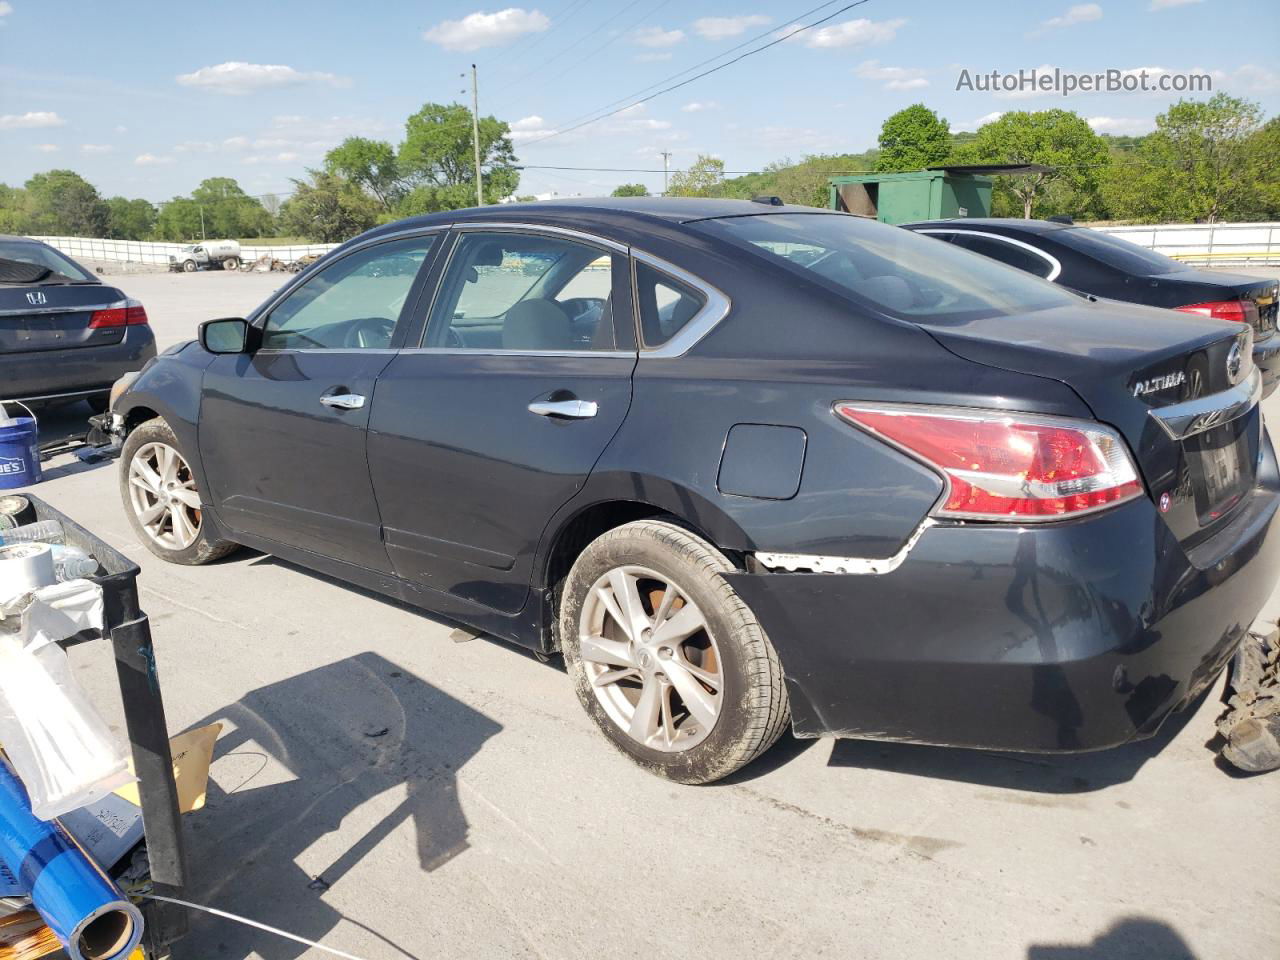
<point>456,800</point>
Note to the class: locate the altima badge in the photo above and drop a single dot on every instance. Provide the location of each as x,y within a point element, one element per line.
<point>1156,384</point>
<point>36,299</point>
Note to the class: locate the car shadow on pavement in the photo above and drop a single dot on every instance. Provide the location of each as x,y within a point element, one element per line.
<point>304,758</point>
<point>1131,938</point>
<point>1036,773</point>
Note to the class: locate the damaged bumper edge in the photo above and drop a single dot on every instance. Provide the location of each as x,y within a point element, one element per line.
<point>815,563</point>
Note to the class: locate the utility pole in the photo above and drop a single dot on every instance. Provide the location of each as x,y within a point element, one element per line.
<point>666,160</point>
<point>202,236</point>
<point>475,134</point>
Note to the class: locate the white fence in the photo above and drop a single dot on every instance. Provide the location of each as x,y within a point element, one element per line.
<point>1241,243</point>
<point>136,251</point>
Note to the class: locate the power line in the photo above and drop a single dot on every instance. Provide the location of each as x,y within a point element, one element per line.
<point>574,124</point>
<point>602,46</point>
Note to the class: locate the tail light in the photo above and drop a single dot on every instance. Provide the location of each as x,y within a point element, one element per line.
<point>126,313</point>
<point>1239,311</point>
<point>1008,467</point>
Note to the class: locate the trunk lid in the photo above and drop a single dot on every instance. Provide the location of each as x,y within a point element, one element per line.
<point>54,316</point>
<point>1138,368</point>
<point>1194,286</point>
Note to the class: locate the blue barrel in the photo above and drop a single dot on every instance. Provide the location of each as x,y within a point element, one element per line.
<point>19,454</point>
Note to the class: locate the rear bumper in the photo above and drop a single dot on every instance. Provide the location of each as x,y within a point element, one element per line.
<point>82,371</point>
<point>1063,637</point>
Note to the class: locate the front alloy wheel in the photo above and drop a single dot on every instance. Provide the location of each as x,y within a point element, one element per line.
<point>161,498</point>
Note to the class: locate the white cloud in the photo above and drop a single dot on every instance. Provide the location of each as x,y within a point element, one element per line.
<point>194,146</point>
<point>235,143</point>
<point>721,28</point>
<point>151,160</point>
<point>96,148</point>
<point>1169,4</point>
<point>5,10</point>
<point>657,37</point>
<point>651,57</point>
<point>851,33</point>
<point>1120,125</point>
<point>47,147</point>
<point>982,121</point>
<point>478,30</point>
<point>1254,79</point>
<point>529,128</point>
<point>697,106</point>
<point>236,77</point>
<point>35,118</point>
<point>634,119</point>
<point>1030,90</point>
<point>1080,13</point>
<point>121,128</point>
<point>893,78</point>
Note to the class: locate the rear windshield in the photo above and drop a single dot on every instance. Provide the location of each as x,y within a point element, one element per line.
<point>62,268</point>
<point>903,274</point>
<point>1116,252</point>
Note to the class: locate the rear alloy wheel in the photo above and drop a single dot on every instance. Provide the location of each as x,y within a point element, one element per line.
<point>160,495</point>
<point>666,658</point>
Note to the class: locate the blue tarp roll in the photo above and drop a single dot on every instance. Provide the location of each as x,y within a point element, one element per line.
<point>84,909</point>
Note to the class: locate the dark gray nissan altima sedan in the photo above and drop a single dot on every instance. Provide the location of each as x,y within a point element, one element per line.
<point>743,466</point>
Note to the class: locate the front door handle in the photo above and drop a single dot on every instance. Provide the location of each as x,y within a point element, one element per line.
<point>564,409</point>
<point>343,401</point>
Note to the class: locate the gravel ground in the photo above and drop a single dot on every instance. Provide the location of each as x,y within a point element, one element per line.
<point>455,800</point>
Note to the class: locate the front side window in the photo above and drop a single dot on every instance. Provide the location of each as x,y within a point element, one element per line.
<point>353,304</point>
<point>903,274</point>
<point>524,292</point>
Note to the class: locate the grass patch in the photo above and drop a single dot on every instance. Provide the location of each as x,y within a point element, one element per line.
<point>275,242</point>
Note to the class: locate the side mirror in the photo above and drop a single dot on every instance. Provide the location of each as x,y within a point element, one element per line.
<point>227,335</point>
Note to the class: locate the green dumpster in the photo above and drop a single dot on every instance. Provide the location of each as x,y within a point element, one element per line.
<point>906,197</point>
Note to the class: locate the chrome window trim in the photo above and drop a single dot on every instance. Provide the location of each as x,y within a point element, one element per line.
<point>700,324</point>
<point>264,311</point>
<point>1191,417</point>
<point>1055,267</point>
<point>489,227</point>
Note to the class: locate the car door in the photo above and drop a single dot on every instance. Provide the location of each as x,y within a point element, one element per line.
<point>480,433</point>
<point>282,429</point>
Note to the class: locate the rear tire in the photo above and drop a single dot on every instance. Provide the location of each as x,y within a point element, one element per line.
<point>161,499</point>
<point>231,263</point>
<point>702,647</point>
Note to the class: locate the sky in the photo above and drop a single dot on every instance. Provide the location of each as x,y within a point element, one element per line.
<point>147,99</point>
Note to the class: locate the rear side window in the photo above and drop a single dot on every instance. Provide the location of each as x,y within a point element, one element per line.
<point>1116,252</point>
<point>1010,253</point>
<point>666,304</point>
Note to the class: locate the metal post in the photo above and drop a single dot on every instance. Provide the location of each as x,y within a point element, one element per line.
<point>666,159</point>
<point>475,134</point>
<point>202,236</point>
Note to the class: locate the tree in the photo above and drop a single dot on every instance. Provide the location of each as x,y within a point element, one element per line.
<point>914,138</point>
<point>1200,164</point>
<point>179,220</point>
<point>630,190</point>
<point>62,202</point>
<point>130,219</point>
<point>328,209</point>
<point>13,209</point>
<point>372,165</point>
<point>1058,139</point>
<point>437,163</point>
<point>704,178</point>
<point>229,211</point>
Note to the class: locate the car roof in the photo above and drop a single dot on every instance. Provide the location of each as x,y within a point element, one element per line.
<point>589,212</point>
<point>987,223</point>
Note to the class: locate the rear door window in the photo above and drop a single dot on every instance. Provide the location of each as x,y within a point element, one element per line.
<point>1006,252</point>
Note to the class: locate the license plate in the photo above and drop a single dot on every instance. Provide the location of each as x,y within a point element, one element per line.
<point>1223,468</point>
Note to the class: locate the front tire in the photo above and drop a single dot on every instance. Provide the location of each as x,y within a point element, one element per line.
<point>188,266</point>
<point>666,658</point>
<point>160,496</point>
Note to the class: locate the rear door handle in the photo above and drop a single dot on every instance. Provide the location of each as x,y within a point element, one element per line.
<point>343,401</point>
<point>564,409</point>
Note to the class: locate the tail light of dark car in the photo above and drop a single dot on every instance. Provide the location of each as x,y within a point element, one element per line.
<point>126,313</point>
<point>1240,311</point>
<point>1008,467</point>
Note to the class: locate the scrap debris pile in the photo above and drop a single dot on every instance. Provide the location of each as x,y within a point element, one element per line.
<point>1251,724</point>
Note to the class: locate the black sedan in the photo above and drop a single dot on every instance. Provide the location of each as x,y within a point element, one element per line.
<point>743,466</point>
<point>64,334</point>
<point>1105,266</point>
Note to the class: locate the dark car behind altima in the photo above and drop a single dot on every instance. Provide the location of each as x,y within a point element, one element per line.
<point>743,466</point>
<point>64,334</point>
<point>1097,263</point>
